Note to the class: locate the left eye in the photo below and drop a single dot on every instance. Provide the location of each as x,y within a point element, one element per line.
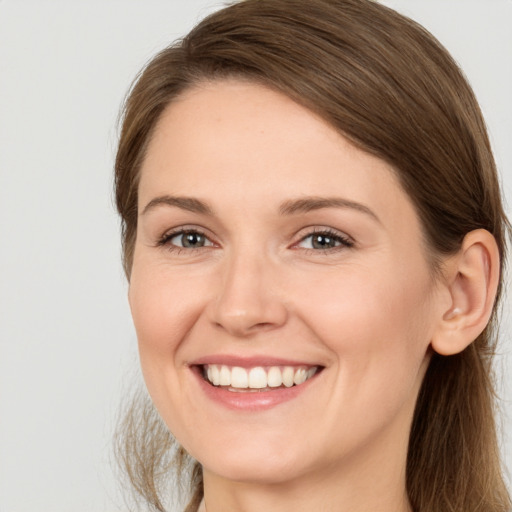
<point>324,241</point>
<point>189,240</point>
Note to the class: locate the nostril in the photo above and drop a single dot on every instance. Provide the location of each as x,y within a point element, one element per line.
<point>261,326</point>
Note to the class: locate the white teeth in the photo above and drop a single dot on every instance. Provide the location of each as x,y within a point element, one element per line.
<point>288,375</point>
<point>300,376</point>
<point>225,376</point>
<point>274,377</point>
<point>239,378</point>
<point>215,375</point>
<point>258,377</point>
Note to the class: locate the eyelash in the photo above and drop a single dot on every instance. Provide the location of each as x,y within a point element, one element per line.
<point>164,241</point>
<point>344,241</point>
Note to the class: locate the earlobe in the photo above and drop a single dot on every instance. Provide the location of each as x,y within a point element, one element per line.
<point>472,277</point>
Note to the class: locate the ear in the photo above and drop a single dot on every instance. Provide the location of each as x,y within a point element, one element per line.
<point>471,280</point>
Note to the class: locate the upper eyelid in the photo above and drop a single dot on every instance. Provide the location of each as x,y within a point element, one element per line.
<point>314,230</point>
<point>184,229</point>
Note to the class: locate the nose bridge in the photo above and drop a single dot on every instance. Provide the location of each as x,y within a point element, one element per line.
<point>248,299</point>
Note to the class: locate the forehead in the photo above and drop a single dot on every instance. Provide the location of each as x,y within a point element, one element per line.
<point>227,139</point>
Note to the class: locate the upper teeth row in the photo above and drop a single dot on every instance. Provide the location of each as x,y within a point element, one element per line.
<point>257,377</point>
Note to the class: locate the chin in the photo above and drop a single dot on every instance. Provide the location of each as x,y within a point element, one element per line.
<point>256,462</point>
<point>260,470</point>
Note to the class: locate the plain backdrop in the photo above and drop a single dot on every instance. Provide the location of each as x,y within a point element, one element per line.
<point>68,349</point>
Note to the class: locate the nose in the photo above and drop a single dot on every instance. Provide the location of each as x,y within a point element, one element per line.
<point>249,299</point>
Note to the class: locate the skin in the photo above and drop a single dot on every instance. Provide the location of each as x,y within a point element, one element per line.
<point>366,312</point>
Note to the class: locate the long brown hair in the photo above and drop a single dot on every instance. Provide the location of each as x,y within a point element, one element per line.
<point>387,85</point>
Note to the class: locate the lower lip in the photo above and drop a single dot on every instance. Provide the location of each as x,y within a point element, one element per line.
<point>250,400</point>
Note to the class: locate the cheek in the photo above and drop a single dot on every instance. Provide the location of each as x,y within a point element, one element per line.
<point>378,307</point>
<point>378,328</point>
<point>379,335</point>
<point>164,307</point>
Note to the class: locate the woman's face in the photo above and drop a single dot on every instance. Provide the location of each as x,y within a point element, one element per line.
<point>270,252</point>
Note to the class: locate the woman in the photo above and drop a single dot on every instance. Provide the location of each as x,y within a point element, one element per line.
<point>314,239</point>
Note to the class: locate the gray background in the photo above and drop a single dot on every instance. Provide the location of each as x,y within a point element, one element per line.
<point>68,350</point>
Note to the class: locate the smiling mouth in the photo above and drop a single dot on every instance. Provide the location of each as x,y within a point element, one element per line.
<point>258,378</point>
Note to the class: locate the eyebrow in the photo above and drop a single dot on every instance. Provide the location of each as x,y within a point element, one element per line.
<point>185,203</point>
<point>289,207</point>
<point>308,204</point>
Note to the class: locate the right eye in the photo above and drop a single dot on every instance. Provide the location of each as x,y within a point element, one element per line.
<point>185,239</point>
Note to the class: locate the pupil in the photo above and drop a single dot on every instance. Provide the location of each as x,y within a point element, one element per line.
<point>322,242</point>
<point>193,240</point>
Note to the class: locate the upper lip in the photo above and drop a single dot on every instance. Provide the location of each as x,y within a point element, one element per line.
<point>248,362</point>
